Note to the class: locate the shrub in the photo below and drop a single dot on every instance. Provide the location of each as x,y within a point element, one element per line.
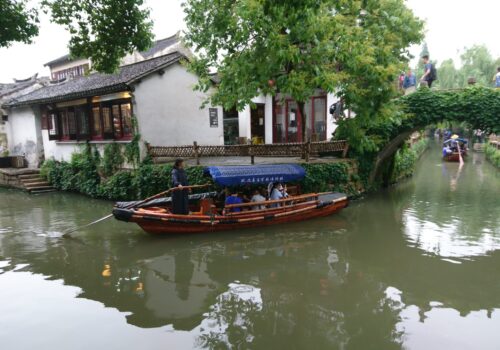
<point>120,186</point>
<point>325,177</point>
<point>112,159</point>
<point>406,158</point>
<point>80,175</point>
<point>492,154</point>
<point>152,179</point>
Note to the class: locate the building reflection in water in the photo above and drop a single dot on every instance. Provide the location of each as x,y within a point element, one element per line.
<point>367,277</point>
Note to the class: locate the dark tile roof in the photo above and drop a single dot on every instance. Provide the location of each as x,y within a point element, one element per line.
<point>62,59</point>
<point>96,83</point>
<point>157,46</point>
<point>6,89</point>
<point>21,84</point>
<point>160,45</point>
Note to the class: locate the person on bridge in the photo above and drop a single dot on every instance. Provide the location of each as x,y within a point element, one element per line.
<point>429,71</point>
<point>496,78</point>
<point>409,82</point>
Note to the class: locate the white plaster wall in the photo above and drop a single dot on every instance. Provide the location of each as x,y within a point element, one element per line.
<point>269,119</point>
<point>168,110</point>
<point>23,136</point>
<point>63,150</point>
<point>245,122</point>
<point>58,150</point>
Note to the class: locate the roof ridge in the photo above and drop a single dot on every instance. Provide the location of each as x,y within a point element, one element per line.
<point>168,37</point>
<point>150,59</point>
<point>97,83</point>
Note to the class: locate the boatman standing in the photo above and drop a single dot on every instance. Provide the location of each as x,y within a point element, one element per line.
<point>180,197</point>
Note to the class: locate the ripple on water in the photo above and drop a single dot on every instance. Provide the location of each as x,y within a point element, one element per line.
<point>450,238</point>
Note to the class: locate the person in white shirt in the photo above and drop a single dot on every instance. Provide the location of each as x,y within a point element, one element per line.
<point>258,198</point>
<point>278,192</point>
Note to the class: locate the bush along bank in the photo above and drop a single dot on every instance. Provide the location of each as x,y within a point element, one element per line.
<point>406,158</point>
<point>492,154</point>
<point>88,174</point>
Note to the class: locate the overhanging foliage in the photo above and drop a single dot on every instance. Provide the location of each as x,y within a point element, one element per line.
<point>479,107</point>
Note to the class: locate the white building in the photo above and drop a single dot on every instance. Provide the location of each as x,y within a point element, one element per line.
<point>12,90</point>
<point>277,120</point>
<point>157,89</point>
<point>54,121</point>
<point>66,67</point>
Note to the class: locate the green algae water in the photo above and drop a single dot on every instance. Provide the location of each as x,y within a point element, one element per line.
<point>416,266</point>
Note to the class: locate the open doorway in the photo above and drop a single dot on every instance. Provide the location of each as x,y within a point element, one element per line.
<point>231,127</point>
<point>257,120</point>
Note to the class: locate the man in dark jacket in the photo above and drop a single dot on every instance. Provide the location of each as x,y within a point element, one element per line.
<point>428,71</point>
<point>180,197</point>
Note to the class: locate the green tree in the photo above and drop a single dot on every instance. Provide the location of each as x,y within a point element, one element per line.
<point>448,75</point>
<point>102,30</point>
<point>18,23</point>
<point>353,48</point>
<point>477,63</point>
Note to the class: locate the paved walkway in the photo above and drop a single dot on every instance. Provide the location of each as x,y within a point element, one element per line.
<point>209,161</point>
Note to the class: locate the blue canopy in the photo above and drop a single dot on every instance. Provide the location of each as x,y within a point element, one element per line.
<point>456,140</point>
<point>255,174</point>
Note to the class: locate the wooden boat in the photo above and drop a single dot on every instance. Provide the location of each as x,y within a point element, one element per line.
<point>207,215</point>
<point>454,156</point>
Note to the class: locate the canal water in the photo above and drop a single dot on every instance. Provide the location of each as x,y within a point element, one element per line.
<point>416,267</point>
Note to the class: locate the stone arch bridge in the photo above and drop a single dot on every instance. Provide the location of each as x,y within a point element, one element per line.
<point>477,106</point>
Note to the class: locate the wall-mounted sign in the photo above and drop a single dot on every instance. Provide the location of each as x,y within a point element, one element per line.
<point>213,113</point>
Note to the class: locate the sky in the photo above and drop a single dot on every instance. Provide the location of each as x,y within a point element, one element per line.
<point>451,25</point>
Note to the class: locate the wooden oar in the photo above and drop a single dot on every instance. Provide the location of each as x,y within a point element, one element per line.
<point>460,155</point>
<point>67,234</point>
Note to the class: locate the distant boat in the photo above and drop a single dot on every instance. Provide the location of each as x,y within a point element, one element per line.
<point>209,216</point>
<point>453,148</point>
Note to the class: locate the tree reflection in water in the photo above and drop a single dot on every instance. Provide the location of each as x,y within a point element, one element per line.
<point>365,278</point>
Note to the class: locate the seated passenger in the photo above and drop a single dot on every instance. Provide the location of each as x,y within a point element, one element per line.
<point>277,193</point>
<point>258,198</point>
<point>233,199</point>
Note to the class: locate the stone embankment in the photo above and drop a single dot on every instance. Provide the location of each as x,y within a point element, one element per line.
<point>25,179</point>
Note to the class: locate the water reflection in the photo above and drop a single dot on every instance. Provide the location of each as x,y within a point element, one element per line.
<point>458,220</point>
<point>382,274</point>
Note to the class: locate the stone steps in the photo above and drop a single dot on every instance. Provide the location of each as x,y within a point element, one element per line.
<point>43,191</point>
<point>29,176</point>
<point>34,183</point>
<point>40,188</point>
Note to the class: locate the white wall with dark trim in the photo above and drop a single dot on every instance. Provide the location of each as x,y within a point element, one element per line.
<point>24,135</point>
<point>168,110</point>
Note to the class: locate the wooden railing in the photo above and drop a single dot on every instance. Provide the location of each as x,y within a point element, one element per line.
<point>297,149</point>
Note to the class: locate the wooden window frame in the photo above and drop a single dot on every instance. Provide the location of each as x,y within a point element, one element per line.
<point>53,118</point>
<point>107,135</point>
<point>62,116</point>
<point>120,103</point>
<point>313,129</point>
<point>100,136</point>
<point>79,134</point>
